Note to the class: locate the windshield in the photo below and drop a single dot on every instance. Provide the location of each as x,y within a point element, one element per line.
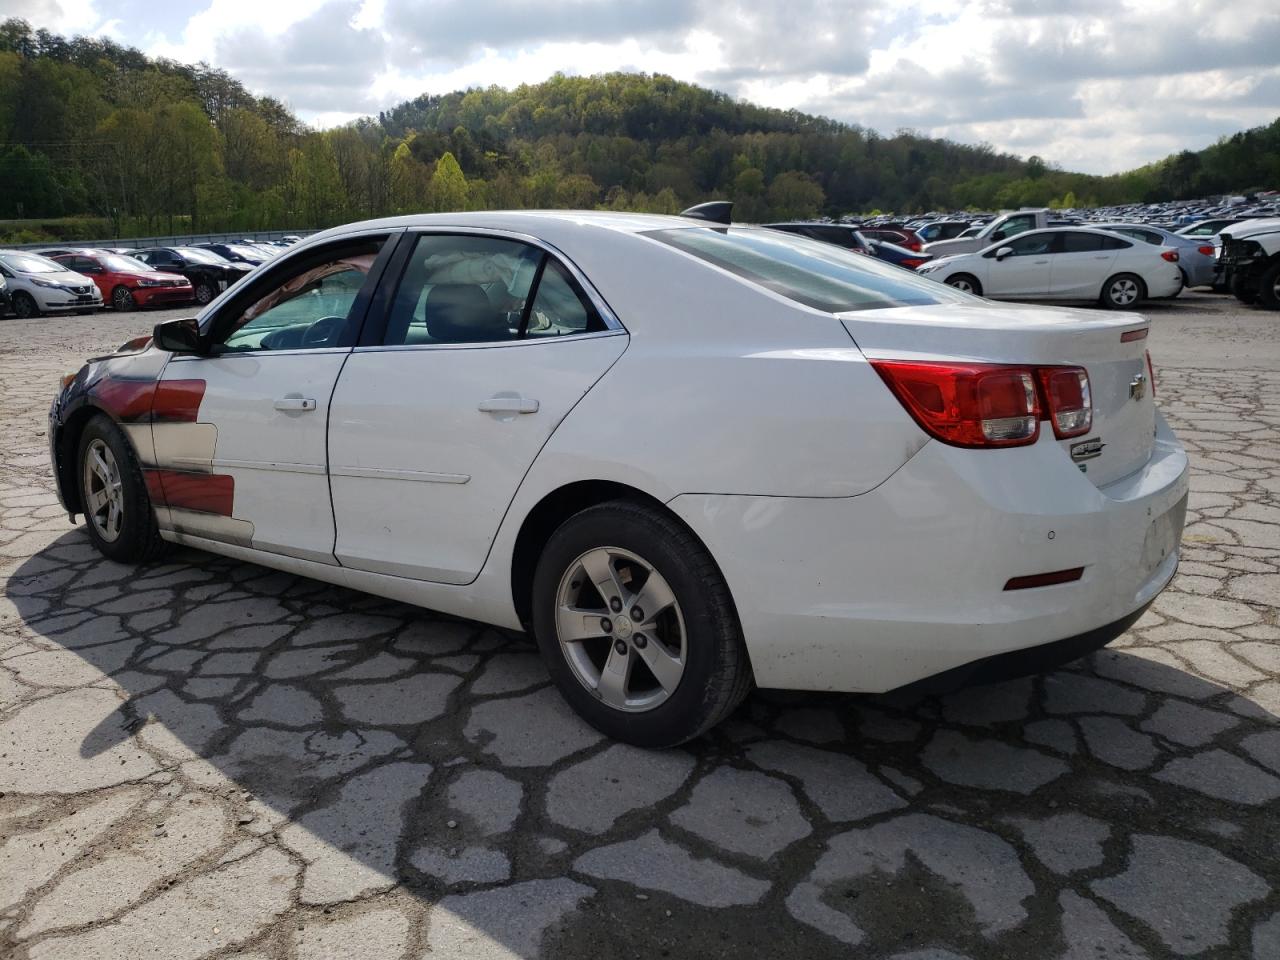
<point>816,274</point>
<point>241,250</point>
<point>31,263</point>
<point>122,264</point>
<point>201,256</point>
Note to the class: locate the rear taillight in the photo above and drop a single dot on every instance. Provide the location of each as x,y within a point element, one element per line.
<point>990,405</point>
<point>912,262</point>
<point>1207,250</point>
<point>1151,374</point>
<point>967,405</point>
<point>1066,394</point>
<point>1170,255</point>
<point>914,246</point>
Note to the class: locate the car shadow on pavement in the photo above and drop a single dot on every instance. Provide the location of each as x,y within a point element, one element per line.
<point>330,752</point>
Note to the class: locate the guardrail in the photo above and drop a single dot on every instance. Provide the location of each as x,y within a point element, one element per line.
<point>179,240</point>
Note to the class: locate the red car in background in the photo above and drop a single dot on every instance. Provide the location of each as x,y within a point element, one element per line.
<point>127,283</point>
<point>898,235</point>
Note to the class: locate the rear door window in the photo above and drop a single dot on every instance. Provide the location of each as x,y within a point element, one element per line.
<point>1081,242</point>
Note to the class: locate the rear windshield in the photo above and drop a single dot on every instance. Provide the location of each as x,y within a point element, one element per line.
<point>816,274</point>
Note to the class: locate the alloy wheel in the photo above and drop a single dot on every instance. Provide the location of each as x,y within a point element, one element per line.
<point>621,629</point>
<point>204,293</point>
<point>103,491</point>
<point>1123,291</point>
<point>23,306</point>
<point>960,283</point>
<point>122,299</point>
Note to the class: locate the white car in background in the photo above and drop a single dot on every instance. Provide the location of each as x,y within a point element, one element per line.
<point>1065,263</point>
<point>686,456</point>
<point>39,285</point>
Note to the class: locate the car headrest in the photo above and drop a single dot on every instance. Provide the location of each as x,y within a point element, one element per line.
<point>463,313</point>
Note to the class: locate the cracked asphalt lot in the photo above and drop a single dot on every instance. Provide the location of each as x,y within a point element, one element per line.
<point>206,758</point>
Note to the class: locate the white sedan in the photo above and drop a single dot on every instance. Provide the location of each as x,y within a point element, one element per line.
<point>1065,263</point>
<point>688,457</point>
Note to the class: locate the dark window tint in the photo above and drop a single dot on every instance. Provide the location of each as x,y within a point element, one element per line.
<point>1081,242</point>
<point>1115,243</point>
<point>818,275</point>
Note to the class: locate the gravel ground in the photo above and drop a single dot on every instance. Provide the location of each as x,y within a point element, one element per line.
<point>206,758</point>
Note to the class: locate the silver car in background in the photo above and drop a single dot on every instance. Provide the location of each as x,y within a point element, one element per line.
<point>1196,255</point>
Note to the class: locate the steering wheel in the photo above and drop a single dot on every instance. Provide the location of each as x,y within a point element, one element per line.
<point>322,331</point>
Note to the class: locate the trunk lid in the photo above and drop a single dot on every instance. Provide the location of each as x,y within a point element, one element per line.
<point>1123,433</point>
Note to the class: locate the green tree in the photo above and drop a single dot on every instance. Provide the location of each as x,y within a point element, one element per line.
<point>794,196</point>
<point>448,187</point>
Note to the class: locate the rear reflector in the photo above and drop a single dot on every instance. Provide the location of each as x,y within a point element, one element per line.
<point>1045,579</point>
<point>1207,250</point>
<point>1170,255</point>
<point>1131,335</point>
<point>1066,391</point>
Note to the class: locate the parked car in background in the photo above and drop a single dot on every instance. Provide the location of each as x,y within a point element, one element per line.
<point>1001,228</point>
<point>236,252</point>
<point>1208,228</point>
<point>1065,263</point>
<point>898,256</point>
<point>1197,256</point>
<point>841,234</point>
<point>5,305</point>
<point>39,285</point>
<point>903,237</point>
<point>126,282</point>
<point>842,479</point>
<point>208,273</point>
<point>941,230</point>
<point>1251,258</point>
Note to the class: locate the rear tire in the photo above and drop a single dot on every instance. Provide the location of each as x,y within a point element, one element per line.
<point>692,637</point>
<point>204,292</point>
<point>966,282</point>
<point>1269,288</point>
<point>1124,291</point>
<point>25,306</point>
<point>117,510</point>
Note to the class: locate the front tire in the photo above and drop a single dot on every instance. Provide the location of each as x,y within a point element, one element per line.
<point>1124,291</point>
<point>966,282</point>
<point>122,299</point>
<point>671,663</point>
<point>113,495</point>
<point>1269,288</point>
<point>1242,290</point>
<point>25,306</point>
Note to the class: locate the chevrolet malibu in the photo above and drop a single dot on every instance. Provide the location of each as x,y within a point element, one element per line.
<point>687,457</point>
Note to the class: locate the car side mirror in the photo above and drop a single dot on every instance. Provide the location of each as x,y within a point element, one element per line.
<point>179,336</point>
<point>1004,252</point>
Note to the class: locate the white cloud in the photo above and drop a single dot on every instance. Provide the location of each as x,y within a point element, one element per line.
<point>1095,85</point>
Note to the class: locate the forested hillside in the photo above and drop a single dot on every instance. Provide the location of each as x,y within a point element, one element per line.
<point>133,145</point>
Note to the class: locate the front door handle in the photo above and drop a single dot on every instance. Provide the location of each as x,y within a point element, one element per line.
<point>295,403</point>
<point>508,405</point>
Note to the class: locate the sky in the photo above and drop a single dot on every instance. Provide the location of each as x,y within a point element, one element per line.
<point>1091,85</point>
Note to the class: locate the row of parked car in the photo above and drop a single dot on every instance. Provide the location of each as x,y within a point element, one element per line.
<point>1042,254</point>
<point>85,279</point>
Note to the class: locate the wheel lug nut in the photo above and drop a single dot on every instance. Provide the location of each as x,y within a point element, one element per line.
<point>620,646</point>
<point>640,641</point>
<point>615,604</point>
<point>606,624</point>
<point>637,615</point>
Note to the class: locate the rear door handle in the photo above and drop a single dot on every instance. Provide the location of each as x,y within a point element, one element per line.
<point>508,405</point>
<point>295,403</point>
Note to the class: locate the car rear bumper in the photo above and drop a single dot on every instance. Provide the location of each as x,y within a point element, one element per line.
<point>907,581</point>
